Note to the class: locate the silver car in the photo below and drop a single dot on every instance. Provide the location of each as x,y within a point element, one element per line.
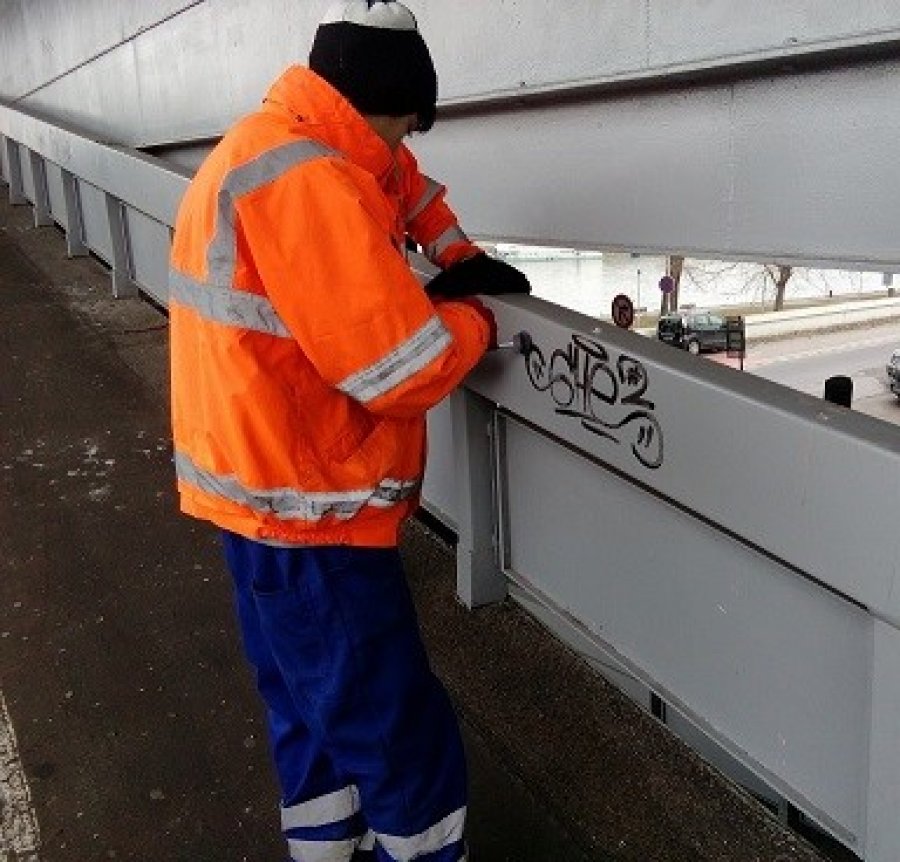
<point>893,372</point>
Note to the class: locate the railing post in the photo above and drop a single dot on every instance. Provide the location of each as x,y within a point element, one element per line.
<point>16,192</point>
<point>839,390</point>
<point>75,244</point>
<point>479,580</point>
<point>42,214</point>
<point>123,283</point>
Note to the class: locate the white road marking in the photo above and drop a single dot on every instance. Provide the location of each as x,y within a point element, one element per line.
<point>20,837</point>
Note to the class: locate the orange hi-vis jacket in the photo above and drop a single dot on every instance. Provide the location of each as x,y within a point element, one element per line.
<point>304,352</point>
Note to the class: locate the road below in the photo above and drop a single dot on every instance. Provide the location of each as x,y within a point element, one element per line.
<point>806,362</point>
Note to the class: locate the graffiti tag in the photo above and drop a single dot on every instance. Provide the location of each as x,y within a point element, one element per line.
<point>584,384</point>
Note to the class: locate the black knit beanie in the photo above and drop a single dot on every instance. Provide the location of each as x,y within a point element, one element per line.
<point>372,53</point>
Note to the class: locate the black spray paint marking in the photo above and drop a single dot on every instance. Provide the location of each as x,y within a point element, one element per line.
<point>584,385</point>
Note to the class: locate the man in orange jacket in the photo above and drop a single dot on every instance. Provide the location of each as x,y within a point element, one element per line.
<point>305,355</point>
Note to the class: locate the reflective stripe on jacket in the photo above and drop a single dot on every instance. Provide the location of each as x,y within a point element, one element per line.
<point>304,351</point>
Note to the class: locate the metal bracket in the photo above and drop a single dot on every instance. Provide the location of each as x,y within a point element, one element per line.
<point>16,189</point>
<point>123,282</point>
<point>76,246</point>
<point>479,579</point>
<point>42,215</point>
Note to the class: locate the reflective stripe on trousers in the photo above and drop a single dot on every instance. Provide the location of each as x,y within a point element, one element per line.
<point>446,834</point>
<point>363,733</point>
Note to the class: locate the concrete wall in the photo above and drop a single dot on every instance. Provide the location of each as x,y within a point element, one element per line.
<point>649,126</point>
<point>154,71</point>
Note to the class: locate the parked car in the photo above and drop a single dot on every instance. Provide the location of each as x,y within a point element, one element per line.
<point>693,331</point>
<point>893,372</point>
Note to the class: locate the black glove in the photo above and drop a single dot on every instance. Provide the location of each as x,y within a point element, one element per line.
<point>478,274</point>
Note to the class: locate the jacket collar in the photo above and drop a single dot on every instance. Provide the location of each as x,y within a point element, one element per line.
<point>327,116</point>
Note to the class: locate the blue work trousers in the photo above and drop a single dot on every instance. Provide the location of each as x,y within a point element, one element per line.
<point>365,741</point>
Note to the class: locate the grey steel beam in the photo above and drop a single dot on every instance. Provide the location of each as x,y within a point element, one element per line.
<point>824,464</point>
<point>75,244</point>
<point>95,221</point>
<point>122,270</point>
<point>636,520</point>
<point>759,169</point>
<point>439,494</point>
<point>16,191</point>
<point>150,185</point>
<point>479,579</point>
<point>56,192</point>
<point>43,44</point>
<point>149,242</point>
<point>883,790</point>
<point>762,169</point>
<point>42,216</point>
<point>735,641</point>
<point>121,87</point>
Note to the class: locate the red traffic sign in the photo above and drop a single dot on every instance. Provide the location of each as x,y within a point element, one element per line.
<point>667,284</point>
<point>623,311</point>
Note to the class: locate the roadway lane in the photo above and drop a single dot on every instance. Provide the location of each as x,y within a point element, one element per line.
<point>805,362</point>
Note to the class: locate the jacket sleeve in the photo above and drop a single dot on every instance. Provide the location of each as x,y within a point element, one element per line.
<point>321,243</point>
<point>429,220</point>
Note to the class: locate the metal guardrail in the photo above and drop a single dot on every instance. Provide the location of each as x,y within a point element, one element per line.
<point>111,200</point>
<point>723,540</point>
<point>715,539</point>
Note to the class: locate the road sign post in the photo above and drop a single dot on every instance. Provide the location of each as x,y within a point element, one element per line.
<point>736,338</point>
<point>622,311</point>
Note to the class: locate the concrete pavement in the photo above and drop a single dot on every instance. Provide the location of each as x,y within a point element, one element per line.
<point>137,732</point>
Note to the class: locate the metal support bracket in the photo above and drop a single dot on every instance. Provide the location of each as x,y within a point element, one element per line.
<point>75,244</point>
<point>479,579</point>
<point>42,215</point>
<point>16,189</point>
<point>883,791</point>
<point>122,280</point>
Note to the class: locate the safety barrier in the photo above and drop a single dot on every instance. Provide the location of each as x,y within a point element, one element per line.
<point>724,548</point>
<point>113,201</point>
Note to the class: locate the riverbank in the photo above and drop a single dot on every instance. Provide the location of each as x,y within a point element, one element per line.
<point>799,319</point>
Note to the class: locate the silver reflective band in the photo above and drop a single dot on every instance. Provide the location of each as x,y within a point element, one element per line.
<point>391,491</point>
<point>227,306</point>
<point>265,168</point>
<point>429,342</point>
<point>447,831</point>
<point>453,234</point>
<point>290,504</point>
<point>422,268</point>
<point>322,851</point>
<point>432,190</point>
<point>330,808</point>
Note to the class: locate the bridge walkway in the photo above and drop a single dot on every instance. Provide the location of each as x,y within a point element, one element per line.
<point>139,734</point>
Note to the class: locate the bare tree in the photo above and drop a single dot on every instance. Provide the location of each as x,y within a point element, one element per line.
<point>750,278</point>
<point>780,275</point>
